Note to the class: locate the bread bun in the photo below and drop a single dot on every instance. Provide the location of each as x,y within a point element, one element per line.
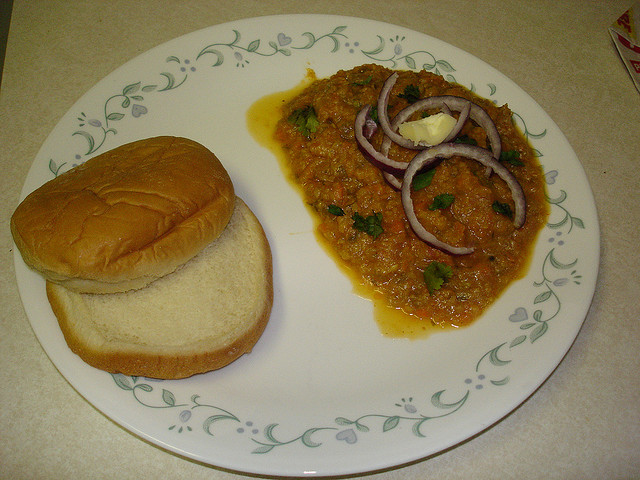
<point>201,317</point>
<point>126,217</point>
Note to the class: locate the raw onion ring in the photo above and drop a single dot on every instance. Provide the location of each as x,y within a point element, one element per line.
<point>383,116</point>
<point>427,158</point>
<point>462,118</point>
<point>392,180</point>
<point>378,159</point>
<point>445,102</point>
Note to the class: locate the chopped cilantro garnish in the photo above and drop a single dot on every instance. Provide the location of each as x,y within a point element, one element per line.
<point>305,120</point>
<point>371,225</point>
<point>442,201</point>
<point>335,210</point>
<point>436,274</point>
<point>411,94</point>
<point>465,139</point>
<point>512,157</point>
<point>423,180</point>
<point>502,208</point>
<point>366,81</point>
<point>373,113</point>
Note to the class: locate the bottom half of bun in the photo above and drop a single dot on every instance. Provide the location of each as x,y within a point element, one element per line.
<point>199,318</point>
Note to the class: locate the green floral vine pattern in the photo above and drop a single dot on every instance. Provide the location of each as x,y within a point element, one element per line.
<point>395,57</point>
<point>130,100</point>
<point>266,440</point>
<point>531,323</point>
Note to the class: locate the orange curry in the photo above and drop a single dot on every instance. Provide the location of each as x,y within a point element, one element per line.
<point>343,188</point>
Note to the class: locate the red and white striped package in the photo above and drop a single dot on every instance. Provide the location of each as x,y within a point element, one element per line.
<point>625,32</point>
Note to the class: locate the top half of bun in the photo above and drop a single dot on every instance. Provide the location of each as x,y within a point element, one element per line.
<point>126,217</point>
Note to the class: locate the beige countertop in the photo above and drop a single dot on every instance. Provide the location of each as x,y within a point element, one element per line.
<point>583,422</point>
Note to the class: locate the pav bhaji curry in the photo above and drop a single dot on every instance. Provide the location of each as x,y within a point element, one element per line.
<point>428,193</point>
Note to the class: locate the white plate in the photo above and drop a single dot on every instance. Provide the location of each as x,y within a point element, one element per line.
<point>323,392</point>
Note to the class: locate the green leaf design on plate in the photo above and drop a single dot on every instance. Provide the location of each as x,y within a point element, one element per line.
<point>390,423</point>
<point>543,297</point>
<point>130,89</point>
<point>270,440</point>
<point>539,331</point>
<point>122,381</point>
<point>344,421</point>
<point>168,397</point>
<point>263,449</point>
<point>411,63</point>
<point>206,425</point>
<point>253,46</point>
<point>115,116</point>
<point>306,439</point>
<point>499,383</point>
<point>392,54</point>
<point>445,66</point>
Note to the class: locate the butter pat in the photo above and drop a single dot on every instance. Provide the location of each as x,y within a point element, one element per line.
<point>431,130</point>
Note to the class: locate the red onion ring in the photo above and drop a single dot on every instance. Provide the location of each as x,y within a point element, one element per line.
<point>450,102</point>
<point>378,159</point>
<point>462,118</point>
<point>392,180</point>
<point>427,158</point>
<point>365,128</point>
<point>383,116</point>
<point>370,127</point>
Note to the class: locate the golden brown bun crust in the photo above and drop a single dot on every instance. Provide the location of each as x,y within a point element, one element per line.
<point>126,217</point>
<point>232,277</point>
<point>151,364</point>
